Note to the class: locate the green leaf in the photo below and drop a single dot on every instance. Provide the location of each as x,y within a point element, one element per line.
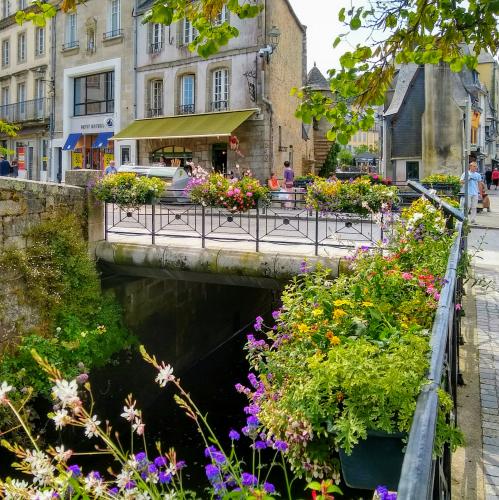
<point>341,15</point>
<point>336,42</point>
<point>355,23</point>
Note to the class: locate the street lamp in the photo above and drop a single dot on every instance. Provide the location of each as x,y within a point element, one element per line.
<point>273,41</point>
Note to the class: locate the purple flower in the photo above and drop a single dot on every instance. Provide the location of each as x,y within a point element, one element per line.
<point>234,435</point>
<point>114,491</point>
<point>252,409</point>
<point>180,464</point>
<point>280,445</point>
<point>164,478</point>
<point>258,323</point>
<point>212,472</point>
<point>304,269</point>
<point>276,314</point>
<point>253,380</point>
<point>249,479</point>
<point>75,470</point>
<point>160,461</point>
<point>130,485</point>
<point>384,494</point>
<point>140,457</point>
<point>242,389</point>
<point>152,469</point>
<point>95,475</point>
<point>252,421</point>
<point>214,454</point>
<point>269,488</point>
<point>260,445</point>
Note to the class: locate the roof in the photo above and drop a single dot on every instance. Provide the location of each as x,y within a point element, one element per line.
<point>406,75</point>
<point>316,80</point>
<point>217,124</point>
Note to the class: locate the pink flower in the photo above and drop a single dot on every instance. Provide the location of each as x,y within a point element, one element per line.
<point>230,192</point>
<point>237,191</point>
<point>436,296</point>
<point>458,307</point>
<point>407,276</point>
<point>249,194</point>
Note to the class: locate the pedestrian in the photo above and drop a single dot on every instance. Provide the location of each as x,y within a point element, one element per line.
<point>4,166</point>
<point>273,182</point>
<point>14,167</point>
<point>488,177</point>
<point>289,177</point>
<point>474,179</point>
<point>495,177</point>
<point>162,161</point>
<point>111,169</point>
<point>484,196</point>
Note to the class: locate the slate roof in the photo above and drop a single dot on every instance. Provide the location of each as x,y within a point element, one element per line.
<point>316,80</point>
<point>406,74</point>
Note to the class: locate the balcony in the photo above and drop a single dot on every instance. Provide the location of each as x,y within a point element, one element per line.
<point>25,111</point>
<point>75,44</point>
<point>112,34</point>
<point>186,109</point>
<point>153,112</point>
<point>155,48</point>
<point>220,105</point>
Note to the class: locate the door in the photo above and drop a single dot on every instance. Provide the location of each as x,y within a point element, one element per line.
<point>219,157</point>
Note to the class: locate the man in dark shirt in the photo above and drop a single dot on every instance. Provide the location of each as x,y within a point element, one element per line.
<point>4,166</point>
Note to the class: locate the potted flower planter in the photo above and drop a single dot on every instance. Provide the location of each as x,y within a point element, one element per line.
<point>374,461</point>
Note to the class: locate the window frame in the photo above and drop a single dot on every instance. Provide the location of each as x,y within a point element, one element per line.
<point>5,92</point>
<point>40,41</point>
<point>5,53</point>
<point>220,89</point>
<point>21,103</point>
<point>22,47</point>
<point>184,106</point>
<point>156,97</point>
<point>408,165</point>
<point>5,8</point>
<point>84,103</point>
<point>156,36</point>
<point>222,17</point>
<point>114,16</point>
<point>189,32</point>
<point>71,32</point>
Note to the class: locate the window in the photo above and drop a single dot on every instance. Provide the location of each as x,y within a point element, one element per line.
<point>187,104</point>
<point>40,41</point>
<point>21,4</point>
<point>5,8</point>
<point>114,19</point>
<point>155,38</point>
<point>39,95</point>
<point>220,101</point>
<point>222,17</point>
<point>156,98</point>
<point>5,96</point>
<point>21,47</point>
<point>412,170</point>
<point>94,94</point>
<point>21,98</point>
<point>5,52</point>
<point>71,40</point>
<point>189,32</point>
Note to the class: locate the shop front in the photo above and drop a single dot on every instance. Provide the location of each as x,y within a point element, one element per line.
<point>90,151</point>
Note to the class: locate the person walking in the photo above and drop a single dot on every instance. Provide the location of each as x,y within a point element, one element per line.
<point>495,177</point>
<point>474,178</point>
<point>14,168</point>
<point>4,166</point>
<point>289,178</point>
<point>111,169</point>
<point>488,177</point>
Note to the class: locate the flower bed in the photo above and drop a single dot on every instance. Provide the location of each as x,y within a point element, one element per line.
<point>359,196</point>
<point>215,190</point>
<point>128,190</point>
<point>350,356</point>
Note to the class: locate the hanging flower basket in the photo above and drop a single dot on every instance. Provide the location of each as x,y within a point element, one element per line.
<point>128,190</point>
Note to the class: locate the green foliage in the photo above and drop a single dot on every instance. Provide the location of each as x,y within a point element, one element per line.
<point>443,183</point>
<point>345,157</point>
<point>364,148</point>
<point>128,189</point>
<point>331,162</point>
<point>81,326</point>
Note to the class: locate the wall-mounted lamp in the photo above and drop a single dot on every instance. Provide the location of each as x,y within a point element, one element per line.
<point>273,41</point>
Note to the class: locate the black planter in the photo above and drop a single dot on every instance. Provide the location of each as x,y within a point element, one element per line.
<point>374,461</point>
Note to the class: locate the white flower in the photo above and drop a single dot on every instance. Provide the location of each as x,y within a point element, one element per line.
<point>43,495</point>
<point>91,426</point>
<point>129,413</point>
<point>93,482</point>
<point>123,478</point>
<point>14,489</point>
<point>62,455</point>
<point>138,427</point>
<point>170,496</point>
<point>40,466</point>
<point>4,389</point>
<point>66,392</point>
<point>165,375</point>
<point>61,418</point>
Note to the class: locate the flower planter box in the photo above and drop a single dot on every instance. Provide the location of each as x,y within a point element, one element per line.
<point>374,461</point>
<point>443,188</point>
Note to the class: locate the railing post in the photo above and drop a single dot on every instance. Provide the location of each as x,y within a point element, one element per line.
<point>105,220</point>
<point>203,213</point>
<point>316,232</point>
<point>153,225</point>
<point>257,228</point>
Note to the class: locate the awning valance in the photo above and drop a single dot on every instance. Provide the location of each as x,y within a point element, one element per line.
<point>71,141</point>
<point>218,124</point>
<point>102,139</point>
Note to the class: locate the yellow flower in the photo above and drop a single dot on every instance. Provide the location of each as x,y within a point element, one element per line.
<point>367,304</point>
<point>342,302</point>
<point>83,334</point>
<point>303,328</point>
<point>339,313</point>
<point>333,338</point>
<point>317,312</point>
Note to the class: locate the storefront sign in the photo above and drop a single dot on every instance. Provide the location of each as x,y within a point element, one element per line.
<point>107,159</point>
<point>76,160</point>
<point>20,158</point>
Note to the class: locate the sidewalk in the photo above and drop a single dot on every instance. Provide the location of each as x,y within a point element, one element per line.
<point>476,467</point>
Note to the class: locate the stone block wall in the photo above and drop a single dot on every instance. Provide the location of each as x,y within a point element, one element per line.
<point>25,203</point>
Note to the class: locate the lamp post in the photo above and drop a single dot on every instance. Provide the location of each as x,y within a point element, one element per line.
<point>273,41</point>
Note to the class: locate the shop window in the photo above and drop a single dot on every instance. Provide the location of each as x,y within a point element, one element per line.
<point>412,170</point>
<point>176,156</point>
<point>94,94</point>
<point>220,92</point>
<point>187,91</point>
<point>219,157</point>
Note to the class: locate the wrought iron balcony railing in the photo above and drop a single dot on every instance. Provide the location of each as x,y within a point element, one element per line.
<point>186,109</point>
<point>220,105</point>
<point>36,109</point>
<point>155,47</point>
<point>70,45</point>
<point>152,112</point>
<point>112,34</point>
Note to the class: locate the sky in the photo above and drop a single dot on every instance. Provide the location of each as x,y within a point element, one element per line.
<point>321,19</point>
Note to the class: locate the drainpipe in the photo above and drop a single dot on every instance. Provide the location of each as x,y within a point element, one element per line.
<point>53,60</point>
<point>135,78</point>
<point>265,100</point>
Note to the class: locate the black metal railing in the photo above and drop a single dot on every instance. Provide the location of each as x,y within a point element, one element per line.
<point>71,45</point>
<point>286,221</point>
<point>423,476</point>
<point>112,34</point>
<point>186,109</point>
<point>36,109</point>
<point>220,105</point>
<point>155,47</point>
<point>152,112</point>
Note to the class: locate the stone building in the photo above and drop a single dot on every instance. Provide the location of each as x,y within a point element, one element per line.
<point>26,89</point>
<point>94,96</point>
<point>424,121</point>
<point>232,108</point>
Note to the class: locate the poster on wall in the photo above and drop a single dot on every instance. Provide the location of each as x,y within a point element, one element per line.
<point>20,158</point>
<point>107,159</point>
<point>76,160</point>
